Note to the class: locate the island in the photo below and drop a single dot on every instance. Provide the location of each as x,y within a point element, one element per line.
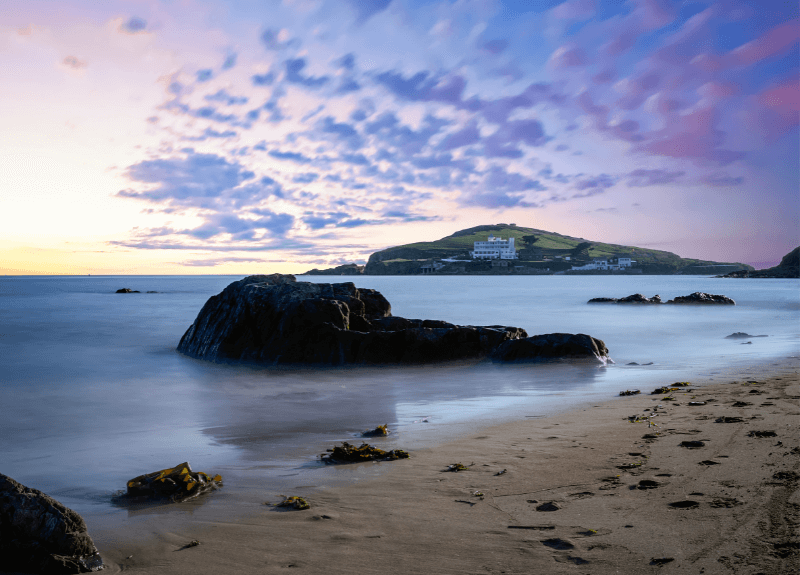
<point>507,249</point>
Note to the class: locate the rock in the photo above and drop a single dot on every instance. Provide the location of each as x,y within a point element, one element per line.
<point>40,535</point>
<point>696,297</point>
<point>634,298</point>
<point>278,320</point>
<point>639,298</point>
<point>742,335</point>
<point>551,346</point>
<point>703,298</point>
<point>127,290</point>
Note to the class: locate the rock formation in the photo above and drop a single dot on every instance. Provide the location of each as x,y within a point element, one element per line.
<point>40,535</point>
<point>788,268</point>
<point>277,320</point>
<point>695,298</point>
<point>551,346</point>
<point>703,298</point>
<point>635,298</point>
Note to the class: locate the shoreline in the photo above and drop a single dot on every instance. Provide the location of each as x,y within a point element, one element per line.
<point>413,517</point>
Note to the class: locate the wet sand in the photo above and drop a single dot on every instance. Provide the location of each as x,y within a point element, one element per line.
<point>563,494</point>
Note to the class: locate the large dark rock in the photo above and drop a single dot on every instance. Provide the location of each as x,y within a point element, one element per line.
<point>277,320</point>
<point>635,298</point>
<point>703,298</point>
<point>39,535</point>
<point>551,346</point>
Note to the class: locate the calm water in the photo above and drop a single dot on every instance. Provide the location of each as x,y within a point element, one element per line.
<point>93,393</point>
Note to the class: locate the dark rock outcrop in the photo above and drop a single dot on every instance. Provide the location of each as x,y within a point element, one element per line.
<point>551,346</point>
<point>696,297</point>
<point>277,320</point>
<point>127,290</point>
<point>742,335</point>
<point>40,535</point>
<point>635,298</point>
<point>703,298</point>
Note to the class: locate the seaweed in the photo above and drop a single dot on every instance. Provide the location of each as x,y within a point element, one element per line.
<point>380,431</point>
<point>347,453</point>
<point>175,484</point>
<point>293,502</point>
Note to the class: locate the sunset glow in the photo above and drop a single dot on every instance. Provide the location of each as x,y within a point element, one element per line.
<point>184,137</point>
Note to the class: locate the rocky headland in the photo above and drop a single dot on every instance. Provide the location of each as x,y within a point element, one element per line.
<point>278,320</point>
<point>788,268</point>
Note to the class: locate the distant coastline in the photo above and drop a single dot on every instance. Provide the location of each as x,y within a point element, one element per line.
<point>535,252</point>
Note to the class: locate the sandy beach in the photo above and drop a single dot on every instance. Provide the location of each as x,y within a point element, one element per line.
<point>613,488</point>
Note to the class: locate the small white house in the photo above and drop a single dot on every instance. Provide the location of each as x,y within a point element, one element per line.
<point>494,249</point>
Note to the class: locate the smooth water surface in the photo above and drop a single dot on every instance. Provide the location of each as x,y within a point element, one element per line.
<point>94,393</point>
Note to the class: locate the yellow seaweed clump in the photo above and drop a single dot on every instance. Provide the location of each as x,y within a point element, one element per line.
<point>294,502</point>
<point>347,453</point>
<point>175,484</point>
<point>380,431</point>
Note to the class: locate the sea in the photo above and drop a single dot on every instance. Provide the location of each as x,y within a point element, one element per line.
<point>93,391</point>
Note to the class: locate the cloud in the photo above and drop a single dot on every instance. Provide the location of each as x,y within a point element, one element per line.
<point>210,133</point>
<point>721,179</point>
<point>365,9</point>
<point>594,185</point>
<point>133,25</point>
<point>219,261</point>
<point>642,178</point>
<point>464,137</point>
<point>263,79</point>
<point>291,156</point>
<point>225,98</point>
<point>295,66</point>
<point>305,178</point>
<point>73,62</point>
<point>230,61</point>
<point>183,180</point>
<point>422,87</point>
<point>278,39</point>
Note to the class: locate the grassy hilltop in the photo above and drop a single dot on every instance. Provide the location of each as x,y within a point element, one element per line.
<point>537,249</point>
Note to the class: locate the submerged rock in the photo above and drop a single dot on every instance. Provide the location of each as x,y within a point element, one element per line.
<point>742,335</point>
<point>703,298</point>
<point>278,320</point>
<point>40,535</point>
<point>551,346</point>
<point>696,297</point>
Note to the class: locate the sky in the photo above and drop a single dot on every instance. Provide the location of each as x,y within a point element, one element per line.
<point>236,137</point>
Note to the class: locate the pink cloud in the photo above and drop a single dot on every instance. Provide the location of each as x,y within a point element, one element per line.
<point>773,43</point>
<point>567,56</point>
<point>654,14</point>
<point>692,136</point>
<point>575,9</point>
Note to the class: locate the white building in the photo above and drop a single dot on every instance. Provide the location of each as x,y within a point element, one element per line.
<point>494,248</point>
<point>621,264</point>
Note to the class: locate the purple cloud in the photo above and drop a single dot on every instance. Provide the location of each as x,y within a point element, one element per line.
<point>295,66</point>
<point>133,25</point>
<point>643,178</point>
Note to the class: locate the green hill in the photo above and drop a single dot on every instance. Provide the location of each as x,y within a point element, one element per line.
<point>537,249</point>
